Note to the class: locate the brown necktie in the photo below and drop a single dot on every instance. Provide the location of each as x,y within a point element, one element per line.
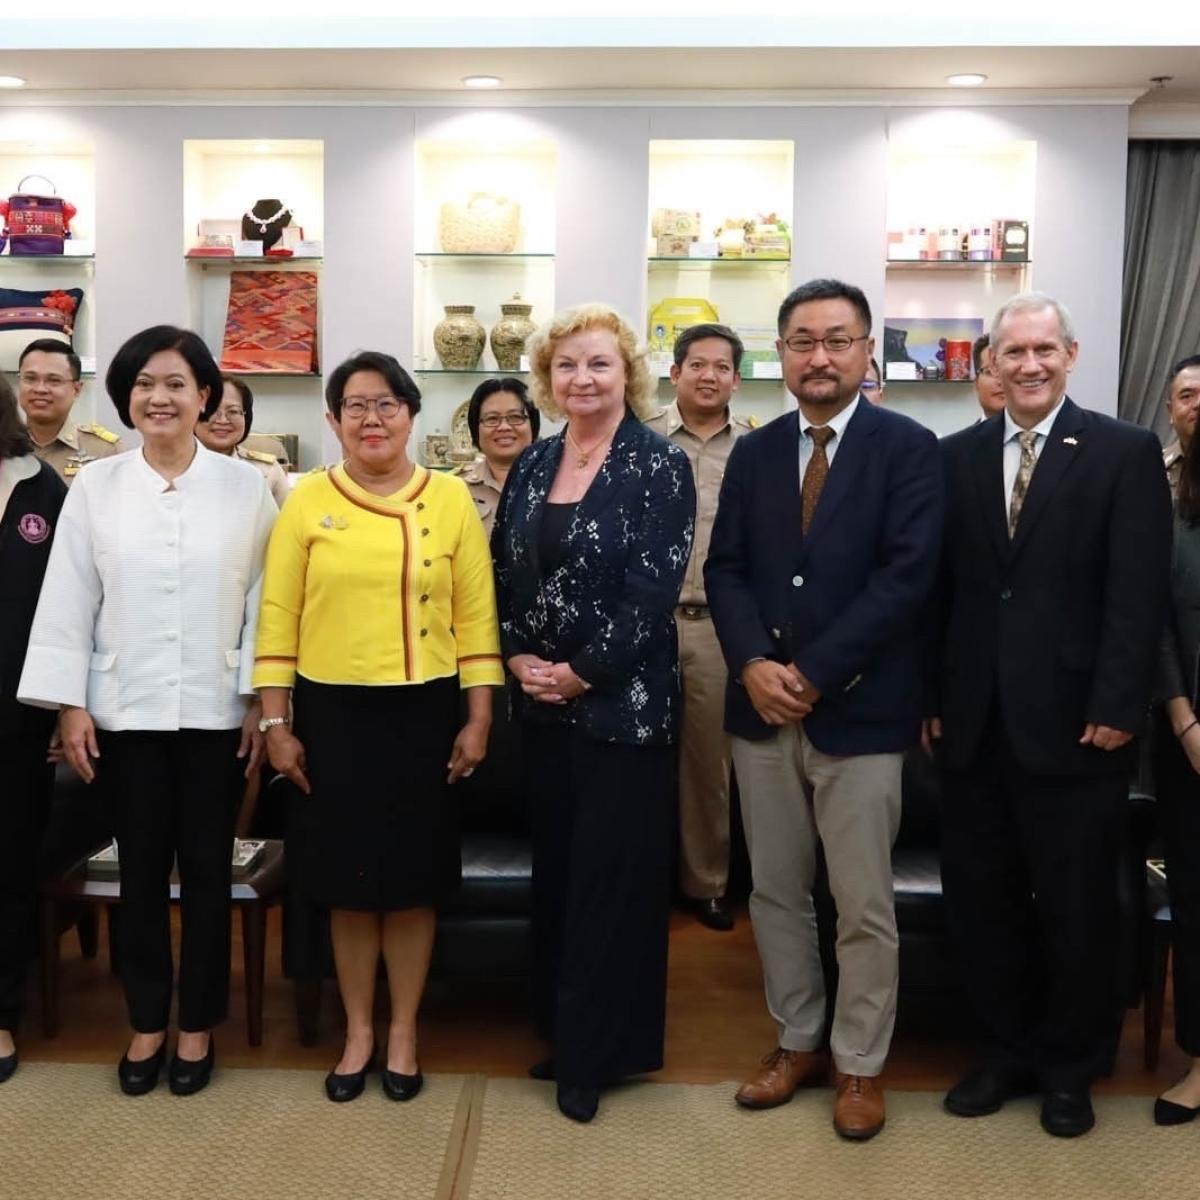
<point>815,473</point>
<point>1028,439</point>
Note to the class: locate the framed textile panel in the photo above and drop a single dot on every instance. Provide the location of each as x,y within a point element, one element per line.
<point>271,326</point>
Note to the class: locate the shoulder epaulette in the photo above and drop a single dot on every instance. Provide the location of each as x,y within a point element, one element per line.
<point>105,435</point>
<point>750,422</point>
<point>261,456</point>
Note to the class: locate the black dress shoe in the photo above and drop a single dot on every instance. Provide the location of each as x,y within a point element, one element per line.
<point>1166,1112</point>
<point>187,1076</point>
<point>984,1092</point>
<point>340,1088</point>
<point>578,1103</point>
<point>715,913</point>
<point>1067,1113</point>
<point>544,1069</point>
<point>138,1078</point>
<point>401,1087</point>
<point>8,1065</point>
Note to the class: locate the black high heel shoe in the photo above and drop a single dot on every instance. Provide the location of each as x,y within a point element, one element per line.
<point>187,1076</point>
<point>401,1087</point>
<point>340,1088</point>
<point>138,1078</point>
<point>8,1066</point>
<point>578,1103</point>
<point>1167,1112</point>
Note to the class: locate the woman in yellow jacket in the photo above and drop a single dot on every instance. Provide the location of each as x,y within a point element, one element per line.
<point>378,606</point>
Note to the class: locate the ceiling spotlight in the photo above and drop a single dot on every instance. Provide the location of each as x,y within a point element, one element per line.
<point>482,81</point>
<point>11,81</point>
<point>1161,81</point>
<point>969,79</point>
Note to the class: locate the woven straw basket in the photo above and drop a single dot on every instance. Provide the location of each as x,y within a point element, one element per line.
<point>486,224</point>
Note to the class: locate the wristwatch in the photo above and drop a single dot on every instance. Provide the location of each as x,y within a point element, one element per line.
<point>266,723</point>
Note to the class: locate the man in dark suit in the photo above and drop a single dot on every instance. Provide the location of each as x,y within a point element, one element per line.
<point>823,550</point>
<point>1050,605</point>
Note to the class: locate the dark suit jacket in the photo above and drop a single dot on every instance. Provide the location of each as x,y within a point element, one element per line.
<point>843,601</point>
<point>608,607</point>
<point>1179,656</point>
<point>1061,626</point>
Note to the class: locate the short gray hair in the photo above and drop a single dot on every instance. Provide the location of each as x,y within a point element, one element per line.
<point>1031,302</point>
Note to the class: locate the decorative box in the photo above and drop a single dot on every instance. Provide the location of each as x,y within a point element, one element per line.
<point>673,245</point>
<point>677,221</point>
<point>1010,240</point>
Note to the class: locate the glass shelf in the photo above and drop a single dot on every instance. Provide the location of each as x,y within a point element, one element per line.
<point>441,254</point>
<point>680,261</point>
<point>272,374</point>
<point>956,264</point>
<point>887,383</point>
<point>497,371</point>
<point>265,260</point>
<point>45,259</point>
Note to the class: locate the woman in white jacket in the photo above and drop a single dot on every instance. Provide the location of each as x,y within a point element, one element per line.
<point>144,638</point>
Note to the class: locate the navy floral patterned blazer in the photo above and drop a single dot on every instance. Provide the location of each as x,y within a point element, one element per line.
<point>608,607</point>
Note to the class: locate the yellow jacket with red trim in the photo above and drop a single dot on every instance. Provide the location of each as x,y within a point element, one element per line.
<point>366,589</point>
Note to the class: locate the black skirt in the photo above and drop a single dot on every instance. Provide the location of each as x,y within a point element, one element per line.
<point>380,831</point>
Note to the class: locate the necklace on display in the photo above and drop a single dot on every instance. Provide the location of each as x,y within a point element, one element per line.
<point>582,455</point>
<point>263,222</point>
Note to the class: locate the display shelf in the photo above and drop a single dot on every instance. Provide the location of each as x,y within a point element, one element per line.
<point>261,260</point>
<point>910,264</point>
<point>274,374</point>
<point>443,255</point>
<point>49,261</point>
<point>485,371</point>
<point>891,383</point>
<point>679,260</point>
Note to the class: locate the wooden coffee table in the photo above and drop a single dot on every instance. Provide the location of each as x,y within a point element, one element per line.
<point>252,894</point>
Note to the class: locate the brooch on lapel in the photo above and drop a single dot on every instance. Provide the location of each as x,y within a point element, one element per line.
<point>329,522</point>
<point>1070,441</point>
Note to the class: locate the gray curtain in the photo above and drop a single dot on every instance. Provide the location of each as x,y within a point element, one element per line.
<point>1160,309</point>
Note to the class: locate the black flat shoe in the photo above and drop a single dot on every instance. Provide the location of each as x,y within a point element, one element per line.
<point>138,1078</point>
<point>1167,1112</point>
<point>578,1103</point>
<point>8,1066</point>
<point>984,1092</point>
<point>543,1070</point>
<point>340,1088</point>
<point>1067,1113</point>
<point>187,1076</point>
<point>715,913</point>
<point>401,1087</point>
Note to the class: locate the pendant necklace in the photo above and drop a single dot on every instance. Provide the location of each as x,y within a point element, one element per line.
<point>582,456</point>
<point>263,222</point>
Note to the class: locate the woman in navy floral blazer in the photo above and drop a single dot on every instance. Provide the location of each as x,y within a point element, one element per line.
<point>591,540</point>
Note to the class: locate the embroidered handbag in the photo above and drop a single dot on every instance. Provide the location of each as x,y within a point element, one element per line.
<point>486,224</point>
<point>36,222</point>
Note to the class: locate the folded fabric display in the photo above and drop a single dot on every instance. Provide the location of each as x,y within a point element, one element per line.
<point>48,312</point>
<point>271,327</point>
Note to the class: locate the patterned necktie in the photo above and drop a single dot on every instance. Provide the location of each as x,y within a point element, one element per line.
<point>815,474</point>
<point>1028,439</point>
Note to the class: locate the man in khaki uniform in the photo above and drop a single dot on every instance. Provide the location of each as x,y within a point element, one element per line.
<point>705,375</point>
<point>48,386</point>
<point>1183,403</point>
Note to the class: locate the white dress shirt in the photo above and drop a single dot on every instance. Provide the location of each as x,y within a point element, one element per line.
<point>837,424</point>
<point>1012,447</point>
<point>149,606</point>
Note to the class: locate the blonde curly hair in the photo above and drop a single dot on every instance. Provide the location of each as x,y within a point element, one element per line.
<point>640,387</point>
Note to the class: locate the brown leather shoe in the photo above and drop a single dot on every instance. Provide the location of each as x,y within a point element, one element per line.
<point>858,1111</point>
<point>780,1074</point>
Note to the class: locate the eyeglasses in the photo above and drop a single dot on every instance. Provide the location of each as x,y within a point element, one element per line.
<point>228,414</point>
<point>835,343</point>
<point>985,373</point>
<point>495,420</point>
<point>30,380</point>
<point>356,406</point>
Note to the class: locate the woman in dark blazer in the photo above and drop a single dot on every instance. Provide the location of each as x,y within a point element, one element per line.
<point>591,540</point>
<point>1176,750</point>
<point>31,495</point>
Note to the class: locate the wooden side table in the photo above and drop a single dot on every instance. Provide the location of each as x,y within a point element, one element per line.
<point>252,894</point>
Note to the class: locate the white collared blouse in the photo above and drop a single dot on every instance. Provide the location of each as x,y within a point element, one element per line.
<point>148,610</point>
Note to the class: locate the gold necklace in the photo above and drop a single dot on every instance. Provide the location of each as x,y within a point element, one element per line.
<point>582,456</point>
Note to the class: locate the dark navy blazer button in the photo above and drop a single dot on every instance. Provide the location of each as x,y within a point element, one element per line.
<point>1006,594</point>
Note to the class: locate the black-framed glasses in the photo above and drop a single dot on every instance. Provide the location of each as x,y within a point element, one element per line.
<point>834,343</point>
<point>495,420</point>
<point>385,406</point>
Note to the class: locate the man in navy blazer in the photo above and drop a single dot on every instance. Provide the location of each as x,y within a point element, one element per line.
<point>1051,602</point>
<point>824,548</point>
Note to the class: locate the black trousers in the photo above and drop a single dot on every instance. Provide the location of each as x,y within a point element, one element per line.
<point>603,829</point>
<point>174,799</point>
<point>1029,871</point>
<point>26,781</point>
<point>1177,789</point>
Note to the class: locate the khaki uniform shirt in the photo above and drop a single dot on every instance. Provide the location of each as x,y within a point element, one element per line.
<point>76,446</point>
<point>1173,461</point>
<point>485,490</point>
<point>708,459</point>
<point>276,477</point>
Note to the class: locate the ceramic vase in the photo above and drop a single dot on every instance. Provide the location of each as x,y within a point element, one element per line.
<point>459,339</point>
<point>510,334</point>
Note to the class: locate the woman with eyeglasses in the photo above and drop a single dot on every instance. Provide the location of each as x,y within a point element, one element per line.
<point>228,428</point>
<point>503,421</point>
<point>378,608</point>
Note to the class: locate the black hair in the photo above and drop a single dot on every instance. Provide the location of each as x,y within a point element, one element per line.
<point>247,398</point>
<point>399,382</point>
<point>878,372</point>
<point>1192,360</point>
<point>132,357</point>
<point>14,437</point>
<point>696,333</point>
<point>825,289</point>
<point>978,347</point>
<point>491,387</point>
<point>53,346</point>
